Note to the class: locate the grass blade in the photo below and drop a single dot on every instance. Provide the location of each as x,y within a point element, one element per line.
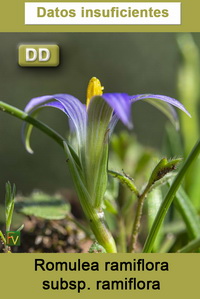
<point>188,213</point>
<point>193,245</point>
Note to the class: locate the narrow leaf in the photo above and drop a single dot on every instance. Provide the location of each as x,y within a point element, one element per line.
<point>8,199</point>
<point>13,111</point>
<point>9,203</point>
<point>20,228</point>
<point>111,195</point>
<point>9,216</point>
<point>190,247</point>
<point>153,201</point>
<point>2,237</point>
<point>26,132</point>
<point>188,212</point>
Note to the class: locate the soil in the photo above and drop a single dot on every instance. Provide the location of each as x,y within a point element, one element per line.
<point>51,236</point>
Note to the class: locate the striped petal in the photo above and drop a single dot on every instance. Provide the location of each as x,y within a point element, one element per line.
<point>121,104</point>
<point>71,106</point>
<point>164,104</point>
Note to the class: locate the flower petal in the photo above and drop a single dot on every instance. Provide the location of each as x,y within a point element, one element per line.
<point>121,104</point>
<point>71,106</point>
<point>163,103</point>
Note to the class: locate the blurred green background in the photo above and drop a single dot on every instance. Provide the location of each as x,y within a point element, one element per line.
<point>124,62</point>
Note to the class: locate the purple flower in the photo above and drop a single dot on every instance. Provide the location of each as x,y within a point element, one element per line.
<point>120,104</point>
<point>92,125</point>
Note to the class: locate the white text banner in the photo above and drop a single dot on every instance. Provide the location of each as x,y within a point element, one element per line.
<point>101,13</point>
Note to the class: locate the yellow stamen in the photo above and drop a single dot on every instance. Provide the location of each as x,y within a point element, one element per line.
<point>94,89</point>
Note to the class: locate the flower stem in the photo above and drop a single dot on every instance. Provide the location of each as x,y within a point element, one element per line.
<point>137,221</point>
<point>94,216</point>
<point>101,231</point>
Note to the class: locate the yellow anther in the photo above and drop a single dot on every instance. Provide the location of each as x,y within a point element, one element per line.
<point>94,89</point>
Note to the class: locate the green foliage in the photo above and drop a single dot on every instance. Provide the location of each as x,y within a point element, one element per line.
<point>154,201</point>
<point>191,246</point>
<point>121,201</point>
<point>188,212</point>
<point>169,198</point>
<point>9,209</point>
<point>124,148</point>
<point>42,205</point>
<point>9,204</point>
<point>110,196</point>
<point>188,86</point>
<point>96,222</point>
<point>2,237</point>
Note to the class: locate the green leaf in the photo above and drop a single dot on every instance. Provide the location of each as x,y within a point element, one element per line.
<point>30,122</point>
<point>167,243</point>
<point>172,142</point>
<point>189,92</point>
<point>20,228</point>
<point>110,196</point>
<point>42,205</point>
<point>9,203</point>
<point>192,246</point>
<point>188,212</point>
<point>188,87</point>
<point>9,216</point>
<point>153,201</point>
<point>13,111</point>
<point>2,237</point>
<point>193,185</point>
<point>27,130</point>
